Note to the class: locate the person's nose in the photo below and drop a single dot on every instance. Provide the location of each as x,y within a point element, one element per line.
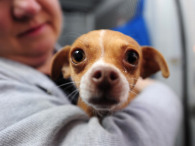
<point>25,8</point>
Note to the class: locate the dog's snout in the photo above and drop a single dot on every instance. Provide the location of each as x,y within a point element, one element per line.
<point>105,75</point>
<point>104,86</point>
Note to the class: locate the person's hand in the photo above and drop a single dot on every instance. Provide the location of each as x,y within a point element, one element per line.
<point>143,83</point>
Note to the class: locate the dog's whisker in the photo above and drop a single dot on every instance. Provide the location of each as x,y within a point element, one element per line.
<point>98,113</point>
<point>64,84</point>
<point>133,92</point>
<point>132,84</point>
<point>88,89</point>
<point>75,91</point>
<point>134,79</point>
<point>69,86</point>
<point>73,96</point>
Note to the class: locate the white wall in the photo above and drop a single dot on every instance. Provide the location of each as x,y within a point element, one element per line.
<point>163,24</point>
<point>162,21</point>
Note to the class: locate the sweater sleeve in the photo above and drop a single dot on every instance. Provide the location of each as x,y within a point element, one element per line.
<point>32,118</point>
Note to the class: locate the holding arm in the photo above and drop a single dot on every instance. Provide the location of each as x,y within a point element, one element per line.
<point>151,119</point>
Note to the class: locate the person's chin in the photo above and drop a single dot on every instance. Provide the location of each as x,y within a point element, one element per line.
<point>44,45</point>
<point>39,52</point>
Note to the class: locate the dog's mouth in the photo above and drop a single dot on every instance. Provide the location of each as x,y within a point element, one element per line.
<point>103,102</point>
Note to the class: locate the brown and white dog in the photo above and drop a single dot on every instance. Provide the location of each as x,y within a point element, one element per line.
<point>105,66</point>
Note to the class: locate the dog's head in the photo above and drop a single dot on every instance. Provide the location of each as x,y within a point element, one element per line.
<point>105,66</point>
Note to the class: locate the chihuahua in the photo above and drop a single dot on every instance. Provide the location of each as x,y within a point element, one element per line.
<point>105,66</point>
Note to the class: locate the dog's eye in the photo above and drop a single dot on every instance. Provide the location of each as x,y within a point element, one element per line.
<point>78,56</point>
<point>131,57</point>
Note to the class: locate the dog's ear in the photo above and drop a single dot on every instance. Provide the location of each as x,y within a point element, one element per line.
<point>152,62</point>
<point>60,64</point>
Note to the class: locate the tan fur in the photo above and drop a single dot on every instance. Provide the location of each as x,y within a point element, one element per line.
<point>115,45</point>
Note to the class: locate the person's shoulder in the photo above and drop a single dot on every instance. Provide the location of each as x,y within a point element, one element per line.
<point>156,92</point>
<point>13,69</point>
<point>17,71</point>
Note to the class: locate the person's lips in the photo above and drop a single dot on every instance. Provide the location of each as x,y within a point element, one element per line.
<point>32,31</point>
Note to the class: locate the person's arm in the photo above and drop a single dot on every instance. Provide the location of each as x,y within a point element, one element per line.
<point>153,118</point>
<point>31,117</point>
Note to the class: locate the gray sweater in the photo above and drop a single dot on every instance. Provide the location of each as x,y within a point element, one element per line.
<point>29,116</point>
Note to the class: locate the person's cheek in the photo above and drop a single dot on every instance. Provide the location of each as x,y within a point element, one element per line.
<point>53,11</point>
<point>5,17</point>
<point>4,26</point>
<point>57,18</point>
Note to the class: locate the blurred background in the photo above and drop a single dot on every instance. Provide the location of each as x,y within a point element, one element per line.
<point>167,25</point>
